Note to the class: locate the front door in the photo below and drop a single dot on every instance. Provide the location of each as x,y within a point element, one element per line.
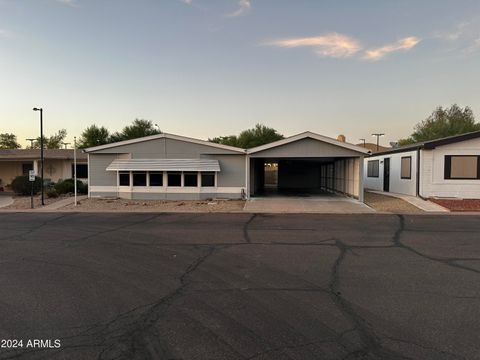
<point>386,174</point>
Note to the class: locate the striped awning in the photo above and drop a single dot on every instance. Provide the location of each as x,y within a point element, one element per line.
<point>164,165</point>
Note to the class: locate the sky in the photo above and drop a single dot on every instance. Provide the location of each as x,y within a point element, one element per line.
<point>206,68</point>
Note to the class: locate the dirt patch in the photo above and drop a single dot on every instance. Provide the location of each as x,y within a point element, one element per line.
<point>458,204</point>
<point>390,204</point>
<point>158,205</point>
<point>23,202</point>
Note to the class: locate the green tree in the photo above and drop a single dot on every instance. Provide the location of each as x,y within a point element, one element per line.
<point>93,136</point>
<point>51,142</point>
<point>442,123</point>
<point>139,128</point>
<point>9,141</point>
<point>259,135</point>
<point>230,140</point>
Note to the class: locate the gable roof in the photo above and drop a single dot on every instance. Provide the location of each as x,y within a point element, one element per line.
<point>305,135</point>
<point>432,144</point>
<point>164,136</point>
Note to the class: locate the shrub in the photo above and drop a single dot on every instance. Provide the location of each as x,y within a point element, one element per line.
<point>52,193</point>
<point>67,186</point>
<point>22,186</point>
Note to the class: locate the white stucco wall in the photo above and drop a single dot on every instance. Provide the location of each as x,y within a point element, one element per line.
<point>397,184</point>
<point>432,163</point>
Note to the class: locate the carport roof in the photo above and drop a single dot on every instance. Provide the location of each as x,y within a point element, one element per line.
<point>311,135</point>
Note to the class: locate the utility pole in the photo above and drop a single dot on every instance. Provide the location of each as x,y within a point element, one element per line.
<point>363,142</point>
<point>65,144</point>
<point>41,150</point>
<point>378,137</point>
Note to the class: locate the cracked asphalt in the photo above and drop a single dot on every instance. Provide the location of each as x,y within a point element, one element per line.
<point>241,286</point>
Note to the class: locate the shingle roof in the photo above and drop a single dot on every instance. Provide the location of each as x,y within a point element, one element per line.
<point>34,154</point>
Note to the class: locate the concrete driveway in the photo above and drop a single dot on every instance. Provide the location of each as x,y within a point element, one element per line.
<point>325,204</point>
<point>240,286</point>
<point>5,199</point>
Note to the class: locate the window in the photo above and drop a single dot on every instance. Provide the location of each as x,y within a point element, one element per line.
<point>124,179</point>
<point>372,168</point>
<point>190,179</point>
<point>462,167</point>
<point>156,179</point>
<point>174,179</point>
<point>139,178</point>
<point>82,171</point>
<point>208,179</point>
<point>26,168</point>
<point>406,167</point>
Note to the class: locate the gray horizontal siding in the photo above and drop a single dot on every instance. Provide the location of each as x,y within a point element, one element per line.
<point>164,165</point>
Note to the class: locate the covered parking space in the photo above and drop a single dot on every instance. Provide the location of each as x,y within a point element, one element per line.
<point>306,165</point>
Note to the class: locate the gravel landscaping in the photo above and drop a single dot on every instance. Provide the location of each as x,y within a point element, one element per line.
<point>390,204</point>
<point>123,205</point>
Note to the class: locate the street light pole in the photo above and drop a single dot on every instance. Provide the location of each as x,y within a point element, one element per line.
<point>75,167</point>
<point>41,150</point>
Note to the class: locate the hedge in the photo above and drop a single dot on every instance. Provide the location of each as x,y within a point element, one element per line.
<point>21,185</point>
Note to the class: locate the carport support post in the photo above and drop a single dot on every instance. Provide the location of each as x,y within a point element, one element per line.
<point>360,180</point>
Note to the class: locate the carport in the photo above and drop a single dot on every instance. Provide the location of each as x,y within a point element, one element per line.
<point>305,165</point>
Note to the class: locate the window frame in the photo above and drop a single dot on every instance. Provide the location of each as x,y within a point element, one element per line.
<point>378,168</point>
<point>447,163</point>
<point>144,173</point>
<point>174,173</point>
<point>120,173</point>
<point>212,173</point>
<point>409,170</point>
<point>73,170</point>
<point>192,174</point>
<point>160,173</point>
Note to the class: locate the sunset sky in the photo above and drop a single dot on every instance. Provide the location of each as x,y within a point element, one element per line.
<point>205,68</point>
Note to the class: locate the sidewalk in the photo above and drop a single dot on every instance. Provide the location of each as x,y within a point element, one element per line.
<point>424,205</point>
<point>61,203</point>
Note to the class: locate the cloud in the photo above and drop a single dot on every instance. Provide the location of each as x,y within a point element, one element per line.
<point>332,45</point>
<point>464,37</point>
<point>403,44</point>
<point>475,46</point>
<point>188,2</point>
<point>243,7</point>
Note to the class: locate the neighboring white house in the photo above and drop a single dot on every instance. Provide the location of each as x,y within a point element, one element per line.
<point>443,168</point>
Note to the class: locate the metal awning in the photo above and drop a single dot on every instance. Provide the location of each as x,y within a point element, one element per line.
<point>164,165</point>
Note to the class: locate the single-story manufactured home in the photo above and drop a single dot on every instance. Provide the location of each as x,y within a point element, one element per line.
<point>443,168</point>
<point>167,166</point>
<point>58,164</point>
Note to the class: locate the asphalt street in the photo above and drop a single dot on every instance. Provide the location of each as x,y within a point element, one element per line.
<point>239,286</point>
